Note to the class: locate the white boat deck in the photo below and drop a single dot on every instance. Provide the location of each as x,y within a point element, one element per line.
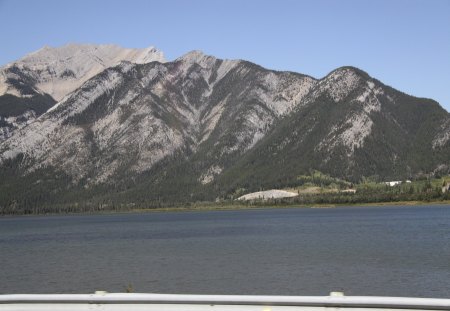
<point>169,302</point>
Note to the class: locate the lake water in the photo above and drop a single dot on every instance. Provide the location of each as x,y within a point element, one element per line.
<point>393,251</point>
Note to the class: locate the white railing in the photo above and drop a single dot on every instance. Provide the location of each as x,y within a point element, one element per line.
<point>334,300</point>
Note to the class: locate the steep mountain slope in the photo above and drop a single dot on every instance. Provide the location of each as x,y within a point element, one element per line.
<point>201,128</point>
<point>17,112</point>
<point>31,85</point>
<point>349,126</point>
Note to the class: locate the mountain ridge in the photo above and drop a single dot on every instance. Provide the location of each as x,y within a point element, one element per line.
<point>45,76</point>
<point>208,127</point>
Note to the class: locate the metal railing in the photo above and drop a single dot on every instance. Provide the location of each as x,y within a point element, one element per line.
<point>335,299</point>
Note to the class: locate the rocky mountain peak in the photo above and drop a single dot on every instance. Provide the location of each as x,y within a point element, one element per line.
<point>59,71</point>
<point>194,56</point>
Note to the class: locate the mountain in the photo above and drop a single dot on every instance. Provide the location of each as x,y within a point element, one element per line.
<point>202,128</point>
<point>33,84</point>
<point>352,126</point>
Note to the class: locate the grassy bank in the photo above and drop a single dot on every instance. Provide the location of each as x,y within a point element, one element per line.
<point>212,207</point>
<point>228,206</point>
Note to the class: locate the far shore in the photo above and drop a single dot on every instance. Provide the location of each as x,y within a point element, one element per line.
<point>231,207</point>
<point>259,206</point>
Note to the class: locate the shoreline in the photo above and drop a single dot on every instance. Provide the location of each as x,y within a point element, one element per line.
<point>246,207</point>
<point>232,207</point>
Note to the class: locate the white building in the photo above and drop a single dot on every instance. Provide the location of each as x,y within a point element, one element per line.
<point>393,183</point>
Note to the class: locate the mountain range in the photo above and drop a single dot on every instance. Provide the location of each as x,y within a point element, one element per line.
<point>104,125</point>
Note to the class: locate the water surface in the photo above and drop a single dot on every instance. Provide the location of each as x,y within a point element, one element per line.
<point>394,251</point>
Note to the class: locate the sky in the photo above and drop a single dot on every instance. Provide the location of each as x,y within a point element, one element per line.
<point>403,43</point>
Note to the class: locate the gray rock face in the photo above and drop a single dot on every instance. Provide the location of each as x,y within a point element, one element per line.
<point>31,85</point>
<point>60,71</point>
<point>132,116</point>
<point>203,127</point>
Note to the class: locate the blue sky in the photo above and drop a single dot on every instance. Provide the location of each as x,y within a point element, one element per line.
<point>403,43</point>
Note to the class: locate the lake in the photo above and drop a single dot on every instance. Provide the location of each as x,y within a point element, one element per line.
<point>390,251</point>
